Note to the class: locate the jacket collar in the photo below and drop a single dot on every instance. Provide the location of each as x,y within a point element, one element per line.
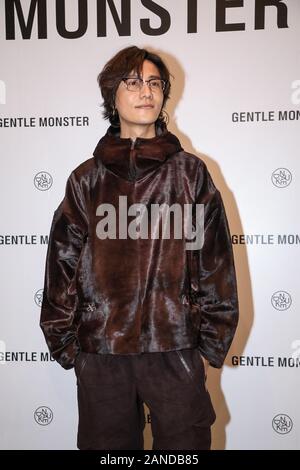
<point>134,161</point>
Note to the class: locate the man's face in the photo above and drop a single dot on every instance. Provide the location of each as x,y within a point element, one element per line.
<point>140,107</point>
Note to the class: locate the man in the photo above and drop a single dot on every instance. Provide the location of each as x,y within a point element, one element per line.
<point>138,313</point>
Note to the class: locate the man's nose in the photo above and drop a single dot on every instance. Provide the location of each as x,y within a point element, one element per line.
<point>146,90</point>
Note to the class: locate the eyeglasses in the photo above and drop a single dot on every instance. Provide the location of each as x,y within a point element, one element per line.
<point>136,84</point>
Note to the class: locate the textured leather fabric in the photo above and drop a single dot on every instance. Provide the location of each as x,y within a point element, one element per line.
<point>126,296</point>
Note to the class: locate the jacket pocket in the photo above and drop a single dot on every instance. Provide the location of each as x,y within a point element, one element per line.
<point>185,365</point>
<point>194,370</point>
<point>190,373</point>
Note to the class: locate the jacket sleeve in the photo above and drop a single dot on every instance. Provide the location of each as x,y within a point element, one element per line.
<point>217,294</point>
<point>66,240</point>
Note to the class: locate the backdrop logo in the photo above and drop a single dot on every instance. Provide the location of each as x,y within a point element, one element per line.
<point>43,181</point>
<point>281,300</point>
<point>38,297</point>
<point>2,92</point>
<point>22,15</point>
<point>295,98</point>
<point>282,424</point>
<point>281,178</point>
<point>43,415</point>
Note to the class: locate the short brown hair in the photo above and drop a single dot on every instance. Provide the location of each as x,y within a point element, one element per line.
<point>118,67</point>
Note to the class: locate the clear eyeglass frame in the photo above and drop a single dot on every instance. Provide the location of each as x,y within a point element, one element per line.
<point>135,84</point>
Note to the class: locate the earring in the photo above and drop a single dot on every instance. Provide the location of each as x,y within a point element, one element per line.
<point>164,117</point>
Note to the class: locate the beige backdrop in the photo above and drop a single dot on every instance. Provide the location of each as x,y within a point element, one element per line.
<point>235,103</point>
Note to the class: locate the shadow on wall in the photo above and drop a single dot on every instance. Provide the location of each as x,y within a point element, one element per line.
<point>240,256</point>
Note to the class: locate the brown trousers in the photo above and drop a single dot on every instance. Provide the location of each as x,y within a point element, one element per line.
<point>112,390</point>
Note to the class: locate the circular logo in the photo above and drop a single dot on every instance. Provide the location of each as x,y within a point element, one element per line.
<point>281,177</point>
<point>43,415</point>
<point>282,424</point>
<point>38,297</point>
<point>281,300</point>
<point>43,181</point>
